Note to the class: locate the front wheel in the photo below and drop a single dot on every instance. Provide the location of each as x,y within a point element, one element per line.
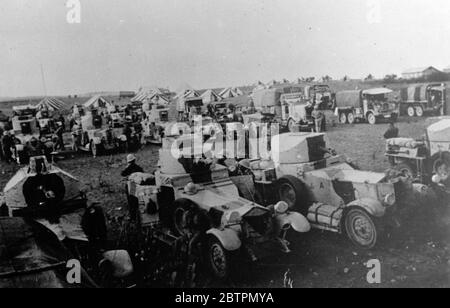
<point>291,126</point>
<point>371,118</point>
<point>361,228</point>
<point>406,170</point>
<point>292,191</point>
<point>218,258</point>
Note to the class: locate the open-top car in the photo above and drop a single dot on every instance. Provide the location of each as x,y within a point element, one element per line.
<point>325,187</point>
<point>195,199</point>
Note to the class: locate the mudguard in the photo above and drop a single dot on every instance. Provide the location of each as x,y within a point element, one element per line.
<point>227,237</point>
<point>297,221</point>
<point>373,207</point>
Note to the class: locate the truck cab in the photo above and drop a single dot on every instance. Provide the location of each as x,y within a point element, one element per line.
<point>296,112</point>
<point>419,99</point>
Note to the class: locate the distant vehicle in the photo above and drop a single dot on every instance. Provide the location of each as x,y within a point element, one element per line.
<point>419,99</point>
<point>25,128</point>
<point>188,106</point>
<point>416,159</point>
<point>197,203</point>
<point>296,112</point>
<point>370,105</point>
<point>328,190</point>
<point>97,140</point>
<point>321,95</point>
<point>157,118</point>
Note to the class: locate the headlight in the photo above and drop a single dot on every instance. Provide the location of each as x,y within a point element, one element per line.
<point>389,200</point>
<point>281,207</point>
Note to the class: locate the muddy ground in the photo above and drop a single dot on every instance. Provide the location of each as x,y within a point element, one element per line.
<point>417,255</point>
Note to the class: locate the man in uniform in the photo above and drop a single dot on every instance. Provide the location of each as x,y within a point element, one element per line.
<point>318,117</point>
<point>132,167</point>
<point>392,131</point>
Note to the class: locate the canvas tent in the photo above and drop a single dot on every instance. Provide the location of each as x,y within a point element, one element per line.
<point>149,93</point>
<point>210,97</point>
<point>229,93</point>
<point>51,104</point>
<point>97,102</point>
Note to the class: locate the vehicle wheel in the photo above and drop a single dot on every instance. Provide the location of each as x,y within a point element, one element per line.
<point>291,126</point>
<point>371,118</point>
<point>419,111</point>
<point>411,111</point>
<point>361,228</point>
<point>218,258</point>
<point>351,118</point>
<point>343,118</point>
<point>184,211</point>
<point>292,191</point>
<point>406,170</point>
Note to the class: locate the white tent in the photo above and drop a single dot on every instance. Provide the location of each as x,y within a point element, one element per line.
<point>97,102</point>
<point>147,93</point>
<point>210,96</point>
<point>51,104</point>
<point>228,93</point>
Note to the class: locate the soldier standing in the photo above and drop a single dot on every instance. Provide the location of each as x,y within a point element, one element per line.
<point>7,143</point>
<point>318,117</point>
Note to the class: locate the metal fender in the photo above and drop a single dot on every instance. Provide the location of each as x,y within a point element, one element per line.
<point>123,138</point>
<point>373,207</point>
<point>297,221</point>
<point>96,140</point>
<point>227,237</point>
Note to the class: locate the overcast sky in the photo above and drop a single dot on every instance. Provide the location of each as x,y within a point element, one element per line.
<point>125,44</point>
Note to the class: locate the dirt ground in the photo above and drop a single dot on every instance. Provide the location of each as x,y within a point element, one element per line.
<point>417,255</point>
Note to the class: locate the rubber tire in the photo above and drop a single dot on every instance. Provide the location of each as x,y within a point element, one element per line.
<point>419,111</point>
<point>351,118</point>
<point>214,243</point>
<point>351,233</point>
<point>184,204</point>
<point>371,118</point>
<point>299,188</point>
<point>343,118</point>
<point>411,111</point>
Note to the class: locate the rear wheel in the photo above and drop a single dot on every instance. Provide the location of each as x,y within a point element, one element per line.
<point>361,228</point>
<point>351,118</point>
<point>411,111</point>
<point>371,118</point>
<point>343,118</point>
<point>419,111</point>
<point>184,210</point>
<point>292,191</point>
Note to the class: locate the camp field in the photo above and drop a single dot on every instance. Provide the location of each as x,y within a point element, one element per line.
<point>417,255</point>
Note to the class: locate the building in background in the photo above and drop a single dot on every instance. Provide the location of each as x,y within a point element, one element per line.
<point>422,72</point>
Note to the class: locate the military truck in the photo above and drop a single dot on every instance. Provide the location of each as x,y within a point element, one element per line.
<point>371,105</point>
<point>320,94</point>
<point>416,159</point>
<point>25,128</point>
<point>329,190</point>
<point>419,99</point>
<point>157,118</point>
<point>195,200</point>
<point>187,107</point>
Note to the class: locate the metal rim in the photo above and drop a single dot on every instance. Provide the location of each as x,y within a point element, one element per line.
<point>419,111</point>
<point>343,118</point>
<point>411,111</point>
<point>371,118</point>
<point>351,118</point>
<point>291,126</point>
<point>287,194</point>
<point>218,259</point>
<point>361,228</point>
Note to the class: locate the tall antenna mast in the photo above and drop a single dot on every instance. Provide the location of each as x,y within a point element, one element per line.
<point>43,80</point>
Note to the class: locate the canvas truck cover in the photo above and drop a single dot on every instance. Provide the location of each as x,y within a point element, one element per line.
<point>440,131</point>
<point>414,93</point>
<point>297,148</point>
<point>348,99</point>
<point>267,98</point>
